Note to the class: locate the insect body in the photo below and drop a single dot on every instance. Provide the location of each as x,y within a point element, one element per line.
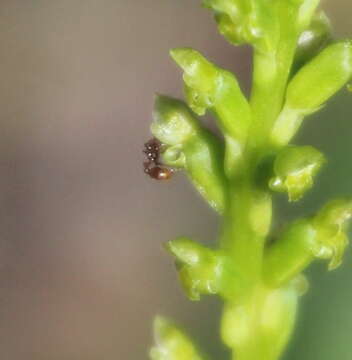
<point>152,166</point>
<point>157,172</point>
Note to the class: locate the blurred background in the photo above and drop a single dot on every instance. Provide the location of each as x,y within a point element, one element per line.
<point>82,269</point>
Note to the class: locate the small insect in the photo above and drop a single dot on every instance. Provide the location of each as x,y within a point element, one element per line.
<point>153,166</point>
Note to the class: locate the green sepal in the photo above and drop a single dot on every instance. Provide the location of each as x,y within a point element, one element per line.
<point>294,169</point>
<point>203,271</point>
<point>171,343</point>
<point>190,146</point>
<point>311,87</point>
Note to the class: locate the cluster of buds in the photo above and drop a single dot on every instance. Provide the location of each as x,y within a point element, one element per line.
<point>297,69</point>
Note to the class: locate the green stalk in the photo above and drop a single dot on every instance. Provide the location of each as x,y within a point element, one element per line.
<point>266,98</point>
<point>243,234</point>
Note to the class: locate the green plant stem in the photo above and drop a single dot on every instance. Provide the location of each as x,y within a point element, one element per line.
<point>260,326</point>
<point>248,218</point>
<point>246,224</point>
<point>265,98</point>
<point>243,233</point>
<point>270,78</point>
<point>270,75</point>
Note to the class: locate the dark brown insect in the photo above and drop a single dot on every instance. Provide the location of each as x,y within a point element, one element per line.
<point>152,166</point>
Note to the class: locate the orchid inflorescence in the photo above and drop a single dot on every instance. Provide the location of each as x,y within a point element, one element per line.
<point>297,67</point>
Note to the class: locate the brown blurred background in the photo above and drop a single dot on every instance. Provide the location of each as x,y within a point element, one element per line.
<point>82,267</point>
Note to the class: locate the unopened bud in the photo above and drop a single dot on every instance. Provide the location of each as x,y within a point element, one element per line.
<point>295,168</point>
<point>171,342</point>
<point>173,122</point>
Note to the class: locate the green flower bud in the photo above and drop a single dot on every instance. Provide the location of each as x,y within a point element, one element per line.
<point>200,77</point>
<point>233,18</point>
<point>192,148</point>
<point>204,271</point>
<point>171,343</point>
<point>173,123</point>
<point>210,87</point>
<point>294,168</point>
<point>331,223</point>
<point>243,21</point>
<point>199,267</point>
<point>321,78</point>
<point>311,87</point>
<point>322,236</point>
<point>312,40</point>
